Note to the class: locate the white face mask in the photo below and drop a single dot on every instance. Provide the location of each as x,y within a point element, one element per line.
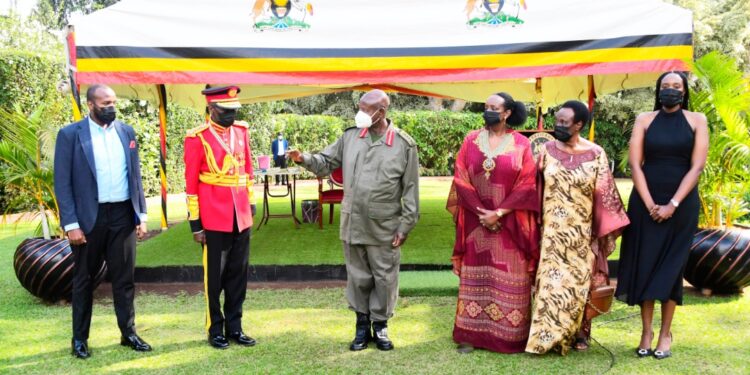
<point>280,137</point>
<point>363,120</point>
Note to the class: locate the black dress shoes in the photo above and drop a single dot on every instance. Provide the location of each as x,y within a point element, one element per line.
<point>380,335</point>
<point>218,341</point>
<point>241,338</point>
<point>80,349</point>
<point>362,333</point>
<point>136,343</point>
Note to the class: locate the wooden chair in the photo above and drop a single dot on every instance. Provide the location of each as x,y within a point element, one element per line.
<point>331,196</point>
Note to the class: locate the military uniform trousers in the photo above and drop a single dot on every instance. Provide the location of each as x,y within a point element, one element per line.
<point>225,258</point>
<point>112,240</point>
<point>372,279</point>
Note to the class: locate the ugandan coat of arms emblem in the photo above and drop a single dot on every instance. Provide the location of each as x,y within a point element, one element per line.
<point>494,13</point>
<point>281,15</point>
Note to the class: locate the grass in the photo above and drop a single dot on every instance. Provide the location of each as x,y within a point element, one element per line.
<point>307,331</point>
<point>427,283</point>
<point>431,241</point>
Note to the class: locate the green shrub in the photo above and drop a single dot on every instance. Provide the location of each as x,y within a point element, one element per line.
<point>438,135</point>
<point>613,138</point>
<point>29,80</point>
<point>306,133</point>
<point>143,117</point>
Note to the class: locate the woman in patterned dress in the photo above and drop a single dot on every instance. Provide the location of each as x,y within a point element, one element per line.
<point>582,216</point>
<point>495,206</point>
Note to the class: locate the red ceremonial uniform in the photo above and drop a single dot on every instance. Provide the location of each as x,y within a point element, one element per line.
<point>219,177</point>
<point>219,187</point>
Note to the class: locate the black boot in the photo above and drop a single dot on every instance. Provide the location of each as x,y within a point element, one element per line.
<point>380,335</point>
<point>362,333</point>
<point>80,349</point>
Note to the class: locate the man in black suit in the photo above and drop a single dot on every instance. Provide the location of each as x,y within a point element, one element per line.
<point>102,210</point>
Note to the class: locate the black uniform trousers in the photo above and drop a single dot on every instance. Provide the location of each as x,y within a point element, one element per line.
<point>112,240</point>
<point>280,161</point>
<point>225,258</point>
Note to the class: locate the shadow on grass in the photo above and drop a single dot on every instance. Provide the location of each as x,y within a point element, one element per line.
<point>693,296</point>
<point>305,332</point>
<point>101,358</point>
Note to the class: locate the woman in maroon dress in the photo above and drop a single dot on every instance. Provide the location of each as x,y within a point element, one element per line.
<point>495,206</point>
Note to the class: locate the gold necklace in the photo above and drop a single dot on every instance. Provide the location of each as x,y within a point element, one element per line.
<point>483,142</point>
<point>488,165</point>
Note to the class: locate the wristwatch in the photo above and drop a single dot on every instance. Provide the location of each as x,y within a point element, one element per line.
<point>499,213</point>
<point>674,203</point>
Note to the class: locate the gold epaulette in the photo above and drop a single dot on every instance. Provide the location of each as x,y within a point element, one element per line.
<point>241,123</point>
<point>194,131</point>
<point>406,137</point>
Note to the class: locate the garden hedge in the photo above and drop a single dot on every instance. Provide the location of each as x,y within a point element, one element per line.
<point>438,136</point>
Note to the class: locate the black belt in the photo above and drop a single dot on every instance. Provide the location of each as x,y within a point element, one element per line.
<point>112,204</point>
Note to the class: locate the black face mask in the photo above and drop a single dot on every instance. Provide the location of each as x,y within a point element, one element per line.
<point>670,97</point>
<point>226,118</point>
<point>105,114</point>
<point>562,133</point>
<point>491,118</point>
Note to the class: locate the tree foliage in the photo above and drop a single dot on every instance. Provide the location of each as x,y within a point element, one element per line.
<point>723,26</point>
<point>344,104</point>
<point>28,35</point>
<point>55,14</point>
<point>722,93</point>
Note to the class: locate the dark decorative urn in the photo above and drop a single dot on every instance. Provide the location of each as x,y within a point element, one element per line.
<point>719,260</point>
<point>45,268</point>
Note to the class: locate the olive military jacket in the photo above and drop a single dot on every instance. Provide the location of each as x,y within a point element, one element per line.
<point>381,183</point>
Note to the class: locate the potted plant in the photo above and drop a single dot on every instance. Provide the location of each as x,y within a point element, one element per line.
<point>719,258</point>
<point>43,265</point>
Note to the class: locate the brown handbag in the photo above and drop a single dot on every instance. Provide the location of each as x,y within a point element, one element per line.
<point>599,301</point>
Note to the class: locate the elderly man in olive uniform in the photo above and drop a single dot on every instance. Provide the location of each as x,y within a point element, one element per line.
<point>380,207</point>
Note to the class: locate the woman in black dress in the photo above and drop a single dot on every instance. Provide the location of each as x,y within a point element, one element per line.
<point>668,151</point>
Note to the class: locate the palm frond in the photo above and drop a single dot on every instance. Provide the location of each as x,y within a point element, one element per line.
<point>722,93</point>
<point>22,129</point>
<point>26,154</point>
<point>15,157</point>
<point>624,163</point>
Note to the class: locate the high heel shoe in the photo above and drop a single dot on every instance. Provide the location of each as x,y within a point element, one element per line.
<point>464,348</point>
<point>662,354</point>
<point>581,344</point>
<point>642,353</point>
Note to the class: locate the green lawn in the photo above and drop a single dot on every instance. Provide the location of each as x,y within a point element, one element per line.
<point>307,331</point>
<point>431,242</point>
<point>279,242</point>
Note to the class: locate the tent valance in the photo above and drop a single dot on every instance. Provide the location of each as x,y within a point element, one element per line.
<point>277,49</point>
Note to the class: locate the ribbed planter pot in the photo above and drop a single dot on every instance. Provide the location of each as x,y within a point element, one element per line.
<point>719,260</point>
<point>45,268</point>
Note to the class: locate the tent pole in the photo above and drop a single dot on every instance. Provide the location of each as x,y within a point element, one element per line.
<point>539,99</point>
<point>592,98</point>
<point>163,152</point>
<point>75,96</point>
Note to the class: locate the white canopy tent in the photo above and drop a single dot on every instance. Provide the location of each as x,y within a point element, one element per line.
<point>541,51</point>
<point>418,46</point>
